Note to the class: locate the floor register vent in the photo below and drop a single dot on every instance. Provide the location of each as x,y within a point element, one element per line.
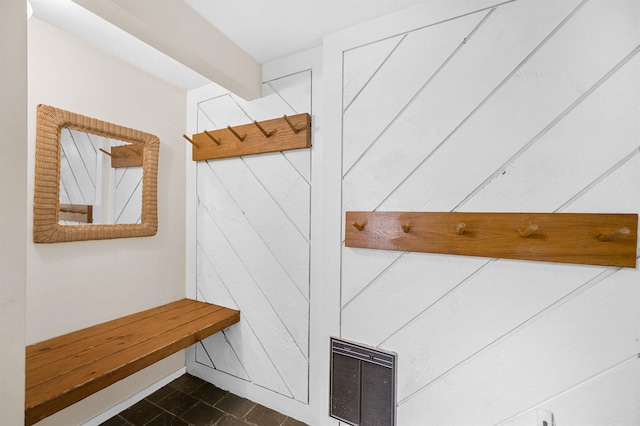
<point>363,384</point>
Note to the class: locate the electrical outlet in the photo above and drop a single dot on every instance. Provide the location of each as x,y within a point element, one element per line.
<point>544,418</point>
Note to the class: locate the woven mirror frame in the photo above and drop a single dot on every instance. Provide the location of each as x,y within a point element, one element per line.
<point>46,228</point>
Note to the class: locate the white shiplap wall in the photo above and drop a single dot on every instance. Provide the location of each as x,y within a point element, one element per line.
<point>253,246</point>
<point>527,105</point>
<point>523,106</point>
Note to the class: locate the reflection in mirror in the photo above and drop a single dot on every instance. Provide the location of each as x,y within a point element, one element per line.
<point>102,185</point>
<point>93,179</point>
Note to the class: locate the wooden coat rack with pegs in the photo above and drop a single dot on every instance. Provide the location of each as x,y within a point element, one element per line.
<point>76,213</point>
<point>582,238</point>
<point>278,134</point>
<point>129,155</point>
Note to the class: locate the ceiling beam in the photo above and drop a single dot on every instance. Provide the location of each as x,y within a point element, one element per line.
<point>175,29</point>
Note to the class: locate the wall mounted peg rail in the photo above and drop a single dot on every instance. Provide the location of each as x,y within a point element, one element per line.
<point>582,238</point>
<point>278,134</point>
<point>76,213</point>
<point>129,155</point>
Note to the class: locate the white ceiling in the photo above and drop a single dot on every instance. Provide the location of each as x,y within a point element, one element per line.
<point>272,29</point>
<point>265,29</point>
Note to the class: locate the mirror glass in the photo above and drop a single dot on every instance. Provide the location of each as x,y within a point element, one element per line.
<point>93,179</point>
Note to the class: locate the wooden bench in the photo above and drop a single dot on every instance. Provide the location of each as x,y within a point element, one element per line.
<point>63,370</point>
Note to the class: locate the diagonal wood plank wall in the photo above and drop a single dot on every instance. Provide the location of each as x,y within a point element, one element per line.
<point>452,106</point>
<point>253,245</point>
<point>526,106</point>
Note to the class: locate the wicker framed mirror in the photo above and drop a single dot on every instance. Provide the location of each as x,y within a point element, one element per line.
<point>54,221</point>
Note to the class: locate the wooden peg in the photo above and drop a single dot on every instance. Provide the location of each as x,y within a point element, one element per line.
<point>240,138</point>
<point>530,230</point>
<point>262,130</point>
<point>211,137</point>
<point>290,124</point>
<point>106,152</point>
<point>190,140</point>
<point>611,235</point>
<point>359,226</point>
<point>460,228</point>
<point>406,228</point>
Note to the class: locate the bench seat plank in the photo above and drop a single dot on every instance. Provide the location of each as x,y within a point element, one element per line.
<point>80,335</point>
<point>102,334</point>
<point>113,351</point>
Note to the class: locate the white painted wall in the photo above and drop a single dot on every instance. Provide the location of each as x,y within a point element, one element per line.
<point>78,284</point>
<point>13,203</point>
<point>97,280</point>
<point>472,106</point>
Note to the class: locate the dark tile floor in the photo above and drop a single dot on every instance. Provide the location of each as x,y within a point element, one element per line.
<point>190,401</point>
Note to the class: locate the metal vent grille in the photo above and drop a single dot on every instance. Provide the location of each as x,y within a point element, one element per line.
<point>363,384</point>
